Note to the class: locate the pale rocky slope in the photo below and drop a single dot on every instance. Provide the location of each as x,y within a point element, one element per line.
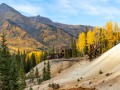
<point>89,73</point>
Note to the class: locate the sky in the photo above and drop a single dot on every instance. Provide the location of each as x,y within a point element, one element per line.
<point>76,12</point>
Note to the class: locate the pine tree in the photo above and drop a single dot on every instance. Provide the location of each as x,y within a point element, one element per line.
<point>31,63</point>
<point>44,74</point>
<point>48,71</point>
<point>4,49</point>
<point>21,72</point>
<point>24,61</point>
<point>21,78</point>
<point>45,54</point>
<point>4,64</point>
<point>33,60</point>
<point>74,48</point>
<point>31,76</point>
<point>13,74</point>
<point>37,73</point>
<point>28,65</point>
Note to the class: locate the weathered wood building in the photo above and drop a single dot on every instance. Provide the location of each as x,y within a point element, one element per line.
<point>95,50</point>
<point>64,51</point>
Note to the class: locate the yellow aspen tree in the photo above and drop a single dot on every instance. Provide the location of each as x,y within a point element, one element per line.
<point>116,31</point>
<point>96,34</point>
<point>38,55</point>
<point>107,36</point>
<point>116,27</point>
<point>90,38</point>
<point>109,29</point>
<point>104,40</point>
<point>81,42</point>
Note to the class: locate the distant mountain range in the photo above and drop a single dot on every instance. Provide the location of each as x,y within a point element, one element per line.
<point>73,30</point>
<point>36,32</point>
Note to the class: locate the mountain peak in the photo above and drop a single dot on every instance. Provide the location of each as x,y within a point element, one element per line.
<point>3,4</point>
<point>5,8</point>
<point>38,16</point>
<point>41,19</point>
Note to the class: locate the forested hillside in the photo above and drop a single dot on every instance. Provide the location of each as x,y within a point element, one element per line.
<point>37,53</point>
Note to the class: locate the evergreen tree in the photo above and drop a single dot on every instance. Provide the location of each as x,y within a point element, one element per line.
<point>44,74</point>
<point>37,73</point>
<point>33,60</point>
<point>27,65</point>
<point>24,61</point>
<point>4,64</point>
<point>31,63</point>
<point>74,48</point>
<point>31,76</point>
<point>4,49</point>
<point>44,56</point>
<point>13,74</point>
<point>48,71</point>
<point>18,57</point>
<point>21,72</point>
<point>21,78</point>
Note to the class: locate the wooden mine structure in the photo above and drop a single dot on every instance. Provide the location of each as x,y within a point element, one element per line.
<point>64,51</point>
<point>95,50</point>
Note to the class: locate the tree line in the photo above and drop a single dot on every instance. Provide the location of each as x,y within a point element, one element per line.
<point>106,37</point>
<point>12,75</point>
<point>14,66</point>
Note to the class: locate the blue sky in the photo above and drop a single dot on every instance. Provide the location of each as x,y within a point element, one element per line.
<point>80,12</point>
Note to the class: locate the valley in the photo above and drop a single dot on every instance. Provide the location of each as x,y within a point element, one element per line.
<point>37,53</point>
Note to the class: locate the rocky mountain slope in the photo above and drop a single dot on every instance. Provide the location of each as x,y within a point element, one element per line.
<point>42,30</point>
<point>102,73</point>
<point>18,37</point>
<point>73,30</point>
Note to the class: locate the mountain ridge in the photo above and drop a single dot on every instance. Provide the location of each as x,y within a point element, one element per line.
<point>41,29</point>
<point>73,30</point>
<point>4,8</point>
<point>19,38</point>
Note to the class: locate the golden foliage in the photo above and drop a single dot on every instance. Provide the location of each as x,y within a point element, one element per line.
<point>90,37</point>
<point>107,37</point>
<point>38,55</point>
<point>81,42</point>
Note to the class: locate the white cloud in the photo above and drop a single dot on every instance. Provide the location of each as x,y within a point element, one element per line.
<point>24,6</point>
<point>91,7</point>
<point>72,7</point>
<point>67,9</point>
<point>28,9</point>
